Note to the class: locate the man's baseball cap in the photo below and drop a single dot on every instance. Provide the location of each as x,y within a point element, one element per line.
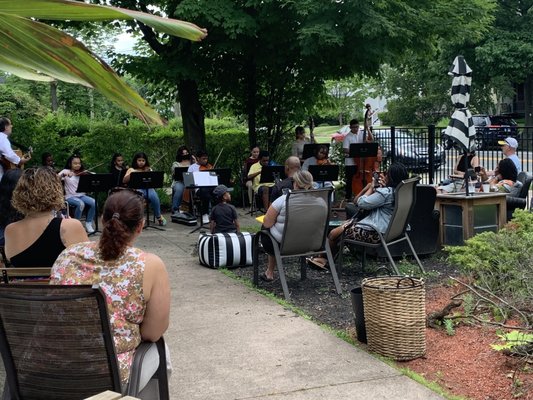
<point>511,142</point>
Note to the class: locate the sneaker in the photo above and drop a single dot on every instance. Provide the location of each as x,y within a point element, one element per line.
<point>205,219</point>
<point>89,227</point>
<point>162,221</point>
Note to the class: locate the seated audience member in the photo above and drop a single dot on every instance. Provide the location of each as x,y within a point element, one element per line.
<point>292,165</point>
<point>262,189</point>
<point>8,214</point>
<point>275,220</point>
<point>37,239</point>
<point>140,163</point>
<point>378,201</point>
<point>135,282</point>
<point>472,161</point>
<point>204,193</point>
<point>118,169</point>
<point>183,159</point>
<point>254,158</point>
<point>71,178</point>
<point>298,145</point>
<point>509,146</point>
<point>505,178</point>
<point>321,157</point>
<point>223,218</point>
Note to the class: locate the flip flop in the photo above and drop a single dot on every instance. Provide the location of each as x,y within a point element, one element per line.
<point>314,261</point>
<point>266,278</point>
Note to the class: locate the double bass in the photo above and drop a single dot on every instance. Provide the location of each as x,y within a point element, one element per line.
<point>366,166</point>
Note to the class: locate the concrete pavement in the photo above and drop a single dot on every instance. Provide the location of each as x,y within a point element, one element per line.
<point>229,342</point>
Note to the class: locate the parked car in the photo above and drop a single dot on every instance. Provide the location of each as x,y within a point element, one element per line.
<point>492,128</point>
<point>411,150</point>
<point>340,134</point>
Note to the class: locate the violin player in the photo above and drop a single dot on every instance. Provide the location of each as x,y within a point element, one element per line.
<point>70,176</point>
<point>204,193</point>
<point>6,152</point>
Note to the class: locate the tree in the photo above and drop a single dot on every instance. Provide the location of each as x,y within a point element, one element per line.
<point>50,54</point>
<point>268,59</point>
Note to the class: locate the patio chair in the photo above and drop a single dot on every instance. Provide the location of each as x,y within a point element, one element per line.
<point>404,201</point>
<point>304,234</point>
<point>520,200</point>
<point>56,343</point>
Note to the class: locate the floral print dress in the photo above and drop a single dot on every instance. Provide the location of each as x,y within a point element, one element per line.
<point>122,282</point>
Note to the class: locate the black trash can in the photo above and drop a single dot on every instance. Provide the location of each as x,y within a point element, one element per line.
<point>359,313</point>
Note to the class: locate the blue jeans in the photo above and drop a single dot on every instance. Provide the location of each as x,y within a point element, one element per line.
<point>178,189</point>
<point>153,198</point>
<point>80,203</point>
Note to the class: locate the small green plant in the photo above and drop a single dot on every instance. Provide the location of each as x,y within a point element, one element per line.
<point>513,339</point>
<point>448,326</point>
<point>468,304</point>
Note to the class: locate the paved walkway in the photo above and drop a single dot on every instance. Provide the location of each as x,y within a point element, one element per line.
<point>229,342</point>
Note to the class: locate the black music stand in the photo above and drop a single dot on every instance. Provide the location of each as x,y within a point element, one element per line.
<point>310,149</point>
<point>188,180</point>
<point>363,150</point>
<point>95,183</point>
<point>145,181</point>
<point>178,173</point>
<point>324,173</point>
<point>224,176</point>
<point>271,173</point>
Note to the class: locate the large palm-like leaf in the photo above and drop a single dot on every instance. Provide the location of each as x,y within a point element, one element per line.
<point>33,50</point>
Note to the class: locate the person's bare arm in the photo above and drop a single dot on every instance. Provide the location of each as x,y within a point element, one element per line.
<point>237,225</point>
<point>72,232</point>
<point>270,217</point>
<point>212,225</point>
<point>127,176</point>
<point>157,295</point>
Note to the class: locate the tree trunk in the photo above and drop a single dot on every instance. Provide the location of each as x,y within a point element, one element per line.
<point>528,100</point>
<point>252,104</point>
<point>53,96</point>
<point>192,114</point>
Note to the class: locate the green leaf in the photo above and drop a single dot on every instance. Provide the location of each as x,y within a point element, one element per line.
<point>80,11</point>
<point>33,49</point>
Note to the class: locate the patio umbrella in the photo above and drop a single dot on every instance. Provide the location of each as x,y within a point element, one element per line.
<point>460,129</point>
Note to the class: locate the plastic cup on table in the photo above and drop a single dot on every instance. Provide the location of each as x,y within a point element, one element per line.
<point>486,187</point>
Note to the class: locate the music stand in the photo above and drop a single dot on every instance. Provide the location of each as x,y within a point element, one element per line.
<point>310,149</point>
<point>95,183</point>
<point>363,150</point>
<point>145,181</point>
<point>324,173</point>
<point>270,173</point>
<point>178,173</point>
<point>190,183</point>
<point>224,176</point>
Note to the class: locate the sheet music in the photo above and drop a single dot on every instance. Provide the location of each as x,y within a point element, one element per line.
<point>205,178</point>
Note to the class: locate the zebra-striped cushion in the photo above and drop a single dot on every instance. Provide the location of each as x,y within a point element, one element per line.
<point>225,249</point>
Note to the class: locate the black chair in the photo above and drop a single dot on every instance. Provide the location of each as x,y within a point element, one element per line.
<point>56,343</point>
<point>404,201</point>
<point>519,201</point>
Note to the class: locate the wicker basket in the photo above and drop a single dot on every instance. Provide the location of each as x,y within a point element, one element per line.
<point>395,316</point>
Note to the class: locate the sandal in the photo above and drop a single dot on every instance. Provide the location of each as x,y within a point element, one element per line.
<point>318,262</point>
<point>266,278</point>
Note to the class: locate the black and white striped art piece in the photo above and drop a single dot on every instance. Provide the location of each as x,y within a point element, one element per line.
<point>220,250</point>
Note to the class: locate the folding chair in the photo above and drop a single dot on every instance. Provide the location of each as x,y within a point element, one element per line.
<point>56,343</point>
<point>304,234</point>
<point>520,200</point>
<point>404,201</point>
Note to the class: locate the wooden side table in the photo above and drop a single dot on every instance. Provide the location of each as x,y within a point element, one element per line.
<point>462,216</point>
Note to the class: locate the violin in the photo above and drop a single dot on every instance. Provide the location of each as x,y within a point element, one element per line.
<point>206,167</point>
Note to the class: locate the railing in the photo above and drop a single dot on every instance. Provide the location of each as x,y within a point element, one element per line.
<point>410,146</point>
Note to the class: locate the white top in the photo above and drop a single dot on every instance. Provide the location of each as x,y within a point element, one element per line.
<point>7,152</point>
<point>349,139</point>
<point>70,183</point>
<point>277,229</point>
<point>194,167</point>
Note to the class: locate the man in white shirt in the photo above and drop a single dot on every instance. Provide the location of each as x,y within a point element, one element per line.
<point>6,152</point>
<point>354,136</point>
<point>509,146</point>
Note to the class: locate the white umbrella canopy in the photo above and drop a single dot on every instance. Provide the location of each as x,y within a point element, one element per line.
<point>461,126</point>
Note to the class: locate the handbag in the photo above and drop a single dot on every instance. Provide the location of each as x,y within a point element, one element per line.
<point>220,250</point>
